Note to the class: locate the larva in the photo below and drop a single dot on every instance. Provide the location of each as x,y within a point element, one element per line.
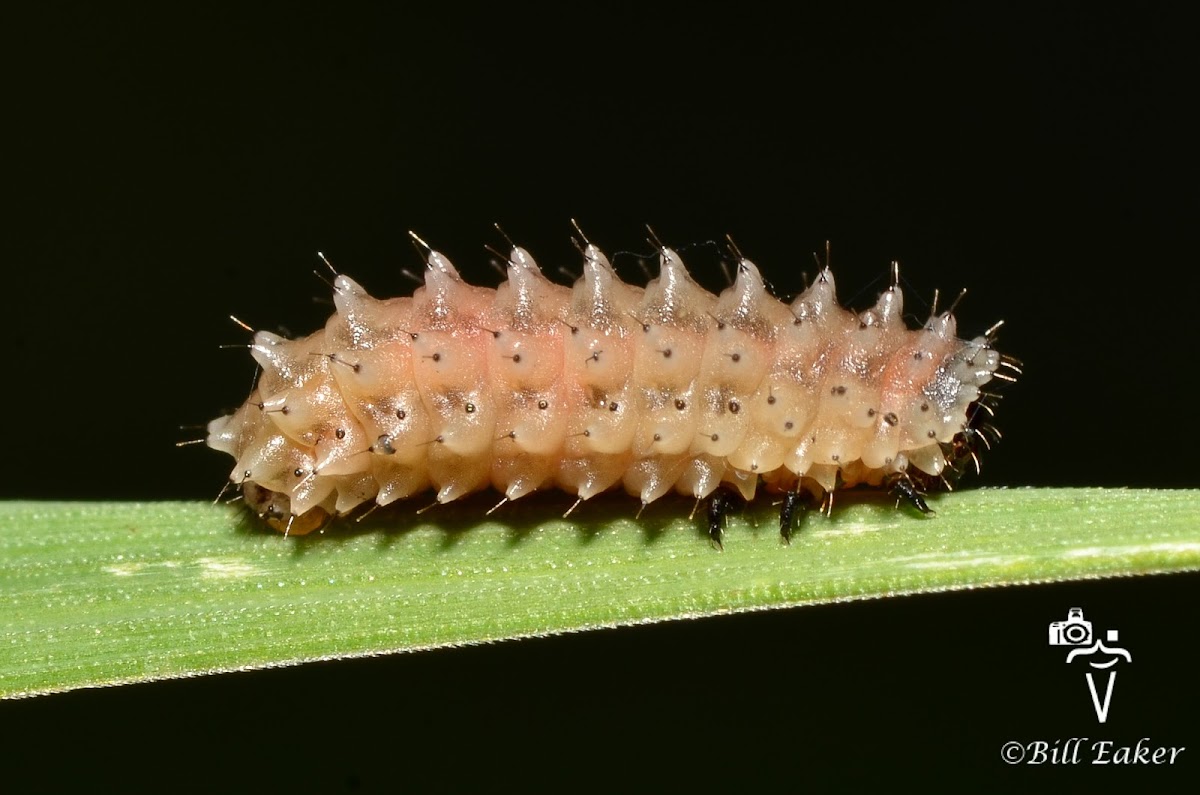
<point>584,388</point>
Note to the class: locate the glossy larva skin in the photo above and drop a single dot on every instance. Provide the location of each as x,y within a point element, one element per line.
<point>532,385</point>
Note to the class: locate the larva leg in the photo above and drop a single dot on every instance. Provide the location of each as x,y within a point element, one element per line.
<point>792,502</point>
<point>900,486</point>
<point>721,503</point>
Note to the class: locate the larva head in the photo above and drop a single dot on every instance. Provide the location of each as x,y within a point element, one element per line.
<point>275,509</point>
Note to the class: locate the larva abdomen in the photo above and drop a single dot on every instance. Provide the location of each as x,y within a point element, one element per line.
<point>535,384</point>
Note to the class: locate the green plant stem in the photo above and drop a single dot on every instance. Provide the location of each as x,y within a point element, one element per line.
<point>97,594</point>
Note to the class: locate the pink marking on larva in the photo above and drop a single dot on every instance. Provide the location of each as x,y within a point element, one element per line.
<point>531,385</point>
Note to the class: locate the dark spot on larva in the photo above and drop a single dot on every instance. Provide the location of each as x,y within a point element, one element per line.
<point>680,404</point>
<point>754,467</point>
<point>838,390</point>
<point>720,325</point>
<point>870,412</point>
<point>542,405</point>
<point>437,357</point>
<point>340,433</point>
<point>401,414</point>
<point>646,328</point>
<point>470,408</point>
<point>734,407</point>
<point>658,437</point>
<point>737,357</point>
<point>574,329</point>
<point>890,418</point>
<point>516,357</point>
<point>787,426</point>
<point>932,434</point>
<point>862,324</point>
<point>797,322</point>
<point>924,407</point>
<point>613,406</point>
<point>587,432</point>
<point>835,457</point>
<point>770,400</point>
<point>356,367</point>
<point>918,356</point>
<point>284,411</point>
<point>298,472</point>
<point>246,475</point>
<point>495,335</point>
<point>667,353</point>
<point>715,437</point>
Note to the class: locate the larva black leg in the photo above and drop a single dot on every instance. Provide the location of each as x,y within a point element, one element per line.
<point>901,486</point>
<point>721,503</point>
<point>791,504</point>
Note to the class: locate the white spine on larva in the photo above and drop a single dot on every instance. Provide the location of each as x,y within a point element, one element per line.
<point>534,384</point>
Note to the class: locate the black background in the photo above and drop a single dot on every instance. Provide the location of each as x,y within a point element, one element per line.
<point>171,167</point>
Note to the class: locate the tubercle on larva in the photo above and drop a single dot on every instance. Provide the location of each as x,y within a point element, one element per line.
<point>533,384</point>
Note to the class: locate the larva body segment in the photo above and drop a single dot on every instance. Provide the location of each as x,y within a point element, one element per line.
<point>533,384</point>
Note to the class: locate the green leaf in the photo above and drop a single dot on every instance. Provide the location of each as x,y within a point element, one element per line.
<point>106,593</point>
